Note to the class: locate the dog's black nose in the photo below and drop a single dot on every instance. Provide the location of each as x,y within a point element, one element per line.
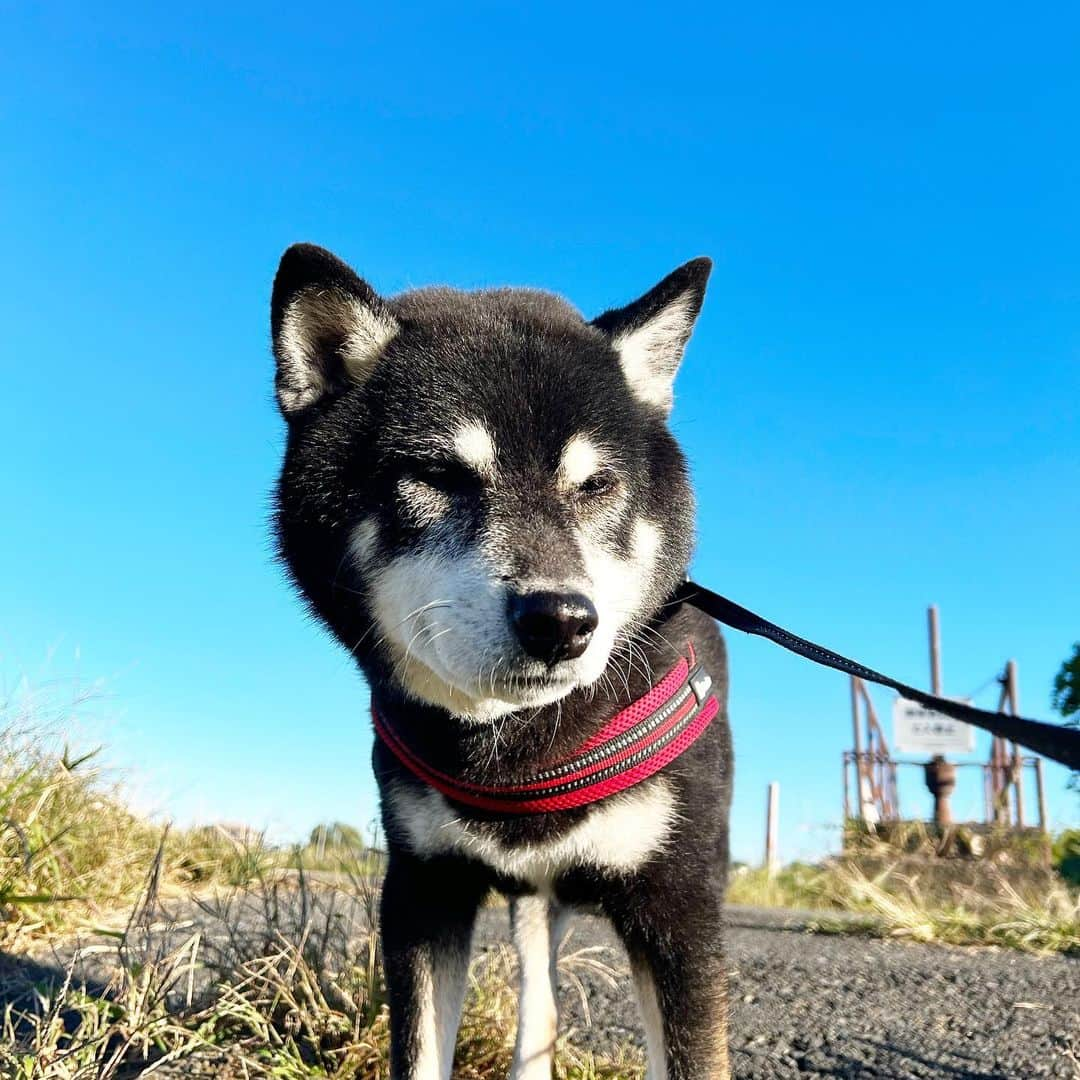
<point>553,626</point>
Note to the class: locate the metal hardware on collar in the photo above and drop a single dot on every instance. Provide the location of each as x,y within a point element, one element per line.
<point>701,683</point>
<point>633,745</point>
<point>1054,741</point>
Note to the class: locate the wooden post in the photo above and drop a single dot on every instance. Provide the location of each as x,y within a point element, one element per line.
<point>772,825</point>
<point>1040,793</point>
<point>935,650</point>
<point>1001,784</point>
<point>1013,687</point>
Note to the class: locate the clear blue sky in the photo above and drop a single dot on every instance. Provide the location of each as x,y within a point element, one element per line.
<point>881,403</point>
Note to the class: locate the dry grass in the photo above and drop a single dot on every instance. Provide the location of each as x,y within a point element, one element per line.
<point>71,851</point>
<point>278,979</point>
<point>891,904</point>
<point>234,960</point>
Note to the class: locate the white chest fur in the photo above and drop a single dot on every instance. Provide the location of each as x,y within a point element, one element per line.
<point>619,834</point>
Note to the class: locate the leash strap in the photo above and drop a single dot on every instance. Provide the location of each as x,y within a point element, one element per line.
<point>1051,740</point>
<point>637,742</point>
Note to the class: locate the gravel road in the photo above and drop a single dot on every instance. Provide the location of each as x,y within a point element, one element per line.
<point>847,1006</point>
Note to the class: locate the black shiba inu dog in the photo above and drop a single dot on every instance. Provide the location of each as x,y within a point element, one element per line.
<point>481,499</point>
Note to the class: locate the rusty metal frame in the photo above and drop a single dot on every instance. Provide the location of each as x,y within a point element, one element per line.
<point>1004,772</point>
<point>877,797</point>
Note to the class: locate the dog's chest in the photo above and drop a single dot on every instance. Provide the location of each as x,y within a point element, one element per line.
<point>618,835</point>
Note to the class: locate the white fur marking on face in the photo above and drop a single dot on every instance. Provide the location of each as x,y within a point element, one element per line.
<point>580,459</point>
<point>315,320</point>
<point>646,545</point>
<point>650,353</point>
<point>619,835</point>
<point>443,618</point>
<point>652,1020</point>
<point>473,444</point>
<point>362,541</point>
<point>423,504</point>
<point>619,589</point>
<point>537,928</point>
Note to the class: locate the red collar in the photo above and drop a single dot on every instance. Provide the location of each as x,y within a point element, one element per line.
<point>634,744</point>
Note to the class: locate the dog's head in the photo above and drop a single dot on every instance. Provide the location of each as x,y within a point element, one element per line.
<point>480,495</point>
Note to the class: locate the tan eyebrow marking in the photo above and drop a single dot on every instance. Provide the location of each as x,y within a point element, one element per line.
<point>580,459</point>
<point>474,445</point>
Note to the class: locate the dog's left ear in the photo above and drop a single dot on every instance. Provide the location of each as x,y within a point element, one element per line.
<point>651,333</point>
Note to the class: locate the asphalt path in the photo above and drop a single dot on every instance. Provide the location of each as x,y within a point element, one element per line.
<point>803,1004</point>
<point>829,1005</point>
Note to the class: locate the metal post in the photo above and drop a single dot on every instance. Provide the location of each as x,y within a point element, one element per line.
<point>935,650</point>
<point>858,746</point>
<point>1017,771</point>
<point>1040,793</point>
<point>772,824</point>
<point>940,779</point>
<point>940,776</point>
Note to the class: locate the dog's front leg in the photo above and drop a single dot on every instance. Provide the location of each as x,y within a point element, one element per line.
<point>427,912</point>
<point>674,938</point>
<point>538,925</point>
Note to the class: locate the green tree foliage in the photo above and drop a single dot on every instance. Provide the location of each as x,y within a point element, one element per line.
<point>337,835</point>
<point>1066,699</point>
<point>1066,855</point>
<point>1066,696</point>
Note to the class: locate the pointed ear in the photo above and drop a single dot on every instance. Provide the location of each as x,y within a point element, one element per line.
<point>651,333</point>
<point>328,325</point>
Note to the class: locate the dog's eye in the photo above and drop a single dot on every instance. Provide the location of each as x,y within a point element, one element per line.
<point>600,483</point>
<point>446,476</point>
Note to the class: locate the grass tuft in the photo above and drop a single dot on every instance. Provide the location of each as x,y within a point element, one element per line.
<point>71,851</point>
<point>233,960</point>
<point>891,904</point>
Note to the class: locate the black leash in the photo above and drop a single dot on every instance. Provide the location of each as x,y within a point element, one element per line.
<point>1051,740</point>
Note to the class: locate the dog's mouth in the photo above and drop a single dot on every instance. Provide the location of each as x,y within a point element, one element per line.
<point>561,675</point>
<point>526,686</point>
<point>513,682</point>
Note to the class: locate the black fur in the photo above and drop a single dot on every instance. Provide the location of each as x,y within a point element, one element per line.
<point>537,373</point>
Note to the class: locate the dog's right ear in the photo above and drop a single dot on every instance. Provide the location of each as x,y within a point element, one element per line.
<point>650,334</point>
<point>329,327</point>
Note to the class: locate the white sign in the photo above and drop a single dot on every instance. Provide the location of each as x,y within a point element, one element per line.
<point>917,730</point>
